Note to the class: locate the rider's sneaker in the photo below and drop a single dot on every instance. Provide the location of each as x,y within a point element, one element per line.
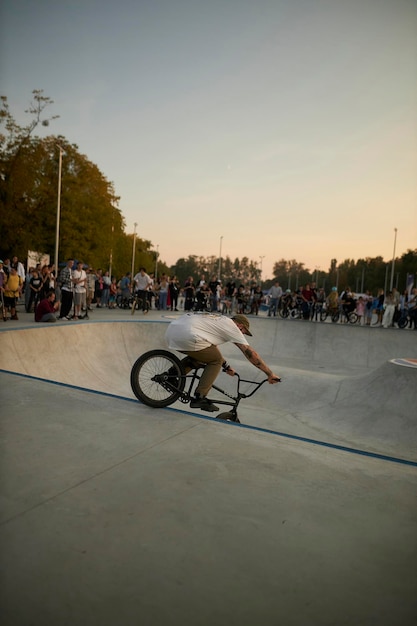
<point>204,404</point>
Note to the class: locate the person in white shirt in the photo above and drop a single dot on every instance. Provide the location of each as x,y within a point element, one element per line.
<point>143,284</point>
<point>198,336</point>
<point>79,280</point>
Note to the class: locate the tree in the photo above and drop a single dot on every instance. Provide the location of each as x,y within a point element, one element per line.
<point>92,227</point>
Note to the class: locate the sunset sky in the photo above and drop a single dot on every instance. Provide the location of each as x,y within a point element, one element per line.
<point>276,128</point>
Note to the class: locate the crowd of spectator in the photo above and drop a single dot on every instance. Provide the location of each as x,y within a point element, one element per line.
<point>72,293</point>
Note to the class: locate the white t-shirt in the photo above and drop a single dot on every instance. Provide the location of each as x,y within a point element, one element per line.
<point>142,282</point>
<point>192,332</point>
<point>82,276</point>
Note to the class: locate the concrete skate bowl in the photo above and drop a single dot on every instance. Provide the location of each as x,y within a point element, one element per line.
<point>338,387</point>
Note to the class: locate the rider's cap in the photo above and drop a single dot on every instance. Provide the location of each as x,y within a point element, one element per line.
<point>242,319</point>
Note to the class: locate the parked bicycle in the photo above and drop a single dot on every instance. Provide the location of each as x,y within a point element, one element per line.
<point>158,379</point>
<point>344,315</point>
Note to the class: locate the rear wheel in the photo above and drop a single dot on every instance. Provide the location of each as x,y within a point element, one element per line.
<point>353,317</point>
<point>158,378</point>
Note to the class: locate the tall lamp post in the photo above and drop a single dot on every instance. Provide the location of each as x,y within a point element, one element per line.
<point>220,258</point>
<point>260,276</point>
<point>393,262</point>
<point>133,253</point>
<point>58,209</point>
<point>156,262</point>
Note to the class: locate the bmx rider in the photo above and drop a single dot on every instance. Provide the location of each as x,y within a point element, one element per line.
<point>198,336</point>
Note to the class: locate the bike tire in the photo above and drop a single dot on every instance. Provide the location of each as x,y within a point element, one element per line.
<point>150,378</point>
<point>403,322</point>
<point>323,315</point>
<point>353,317</point>
<point>335,317</point>
<point>228,417</point>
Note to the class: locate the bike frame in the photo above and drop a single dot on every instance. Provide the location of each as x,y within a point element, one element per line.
<point>234,401</point>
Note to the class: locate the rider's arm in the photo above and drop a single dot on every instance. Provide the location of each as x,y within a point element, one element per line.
<point>254,358</point>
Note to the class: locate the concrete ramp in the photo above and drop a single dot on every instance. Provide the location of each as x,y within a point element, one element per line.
<point>338,386</point>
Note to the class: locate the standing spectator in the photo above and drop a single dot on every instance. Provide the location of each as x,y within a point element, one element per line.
<point>99,287</point>
<point>319,303</point>
<point>46,309</point>
<point>368,308</point>
<point>163,292</point>
<point>65,280</point>
<point>360,309</point>
<point>106,289</point>
<point>12,291</point>
<point>389,306</point>
<point>231,294</point>
<point>26,287</point>
<point>173,293</point>
<point>91,287</point>
<point>308,300</point>
<point>19,268</point>
<point>397,313</point>
<point>378,305</point>
<point>201,282</point>
<point>79,279</point>
<point>47,281</point>
<point>6,266</point>
<point>412,308</point>
<point>35,286</point>
<point>113,293</point>
<point>275,294</point>
<point>213,284</point>
<point>189,294</point>
<point>257,297</point>
<point>125,287</point>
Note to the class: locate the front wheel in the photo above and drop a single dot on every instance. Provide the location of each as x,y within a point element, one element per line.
<point>158,378</point>
<point>323,315</point>
<point>403,321</point>
<point>228,417</point>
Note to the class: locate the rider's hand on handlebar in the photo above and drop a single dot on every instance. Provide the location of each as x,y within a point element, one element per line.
<point>273,379</point>
<point>230,371</point>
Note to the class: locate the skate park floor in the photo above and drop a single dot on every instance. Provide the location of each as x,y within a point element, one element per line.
<point>116,513</point>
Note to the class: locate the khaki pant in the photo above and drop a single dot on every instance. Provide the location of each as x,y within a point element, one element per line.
<point>212,356</point>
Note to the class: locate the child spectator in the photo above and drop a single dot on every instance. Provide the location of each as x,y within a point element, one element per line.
<point>360,309</point>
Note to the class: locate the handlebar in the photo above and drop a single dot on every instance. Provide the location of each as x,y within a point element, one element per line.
<point>256,385</point>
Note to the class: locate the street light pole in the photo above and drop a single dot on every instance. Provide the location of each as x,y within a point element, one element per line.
<point>133,253</point>
<point>262,258</point>
<point>220,258</point>
<point>58,209</point>
<point>156,262</point>
<point>393,262</point>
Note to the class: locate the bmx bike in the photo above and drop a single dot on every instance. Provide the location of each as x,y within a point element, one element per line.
<point>140,302</point>
<point>158,379</point>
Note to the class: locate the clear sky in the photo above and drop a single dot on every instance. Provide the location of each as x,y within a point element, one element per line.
<point>271,128</point>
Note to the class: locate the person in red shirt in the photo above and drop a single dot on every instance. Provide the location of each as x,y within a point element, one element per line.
<point>46,309</point>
